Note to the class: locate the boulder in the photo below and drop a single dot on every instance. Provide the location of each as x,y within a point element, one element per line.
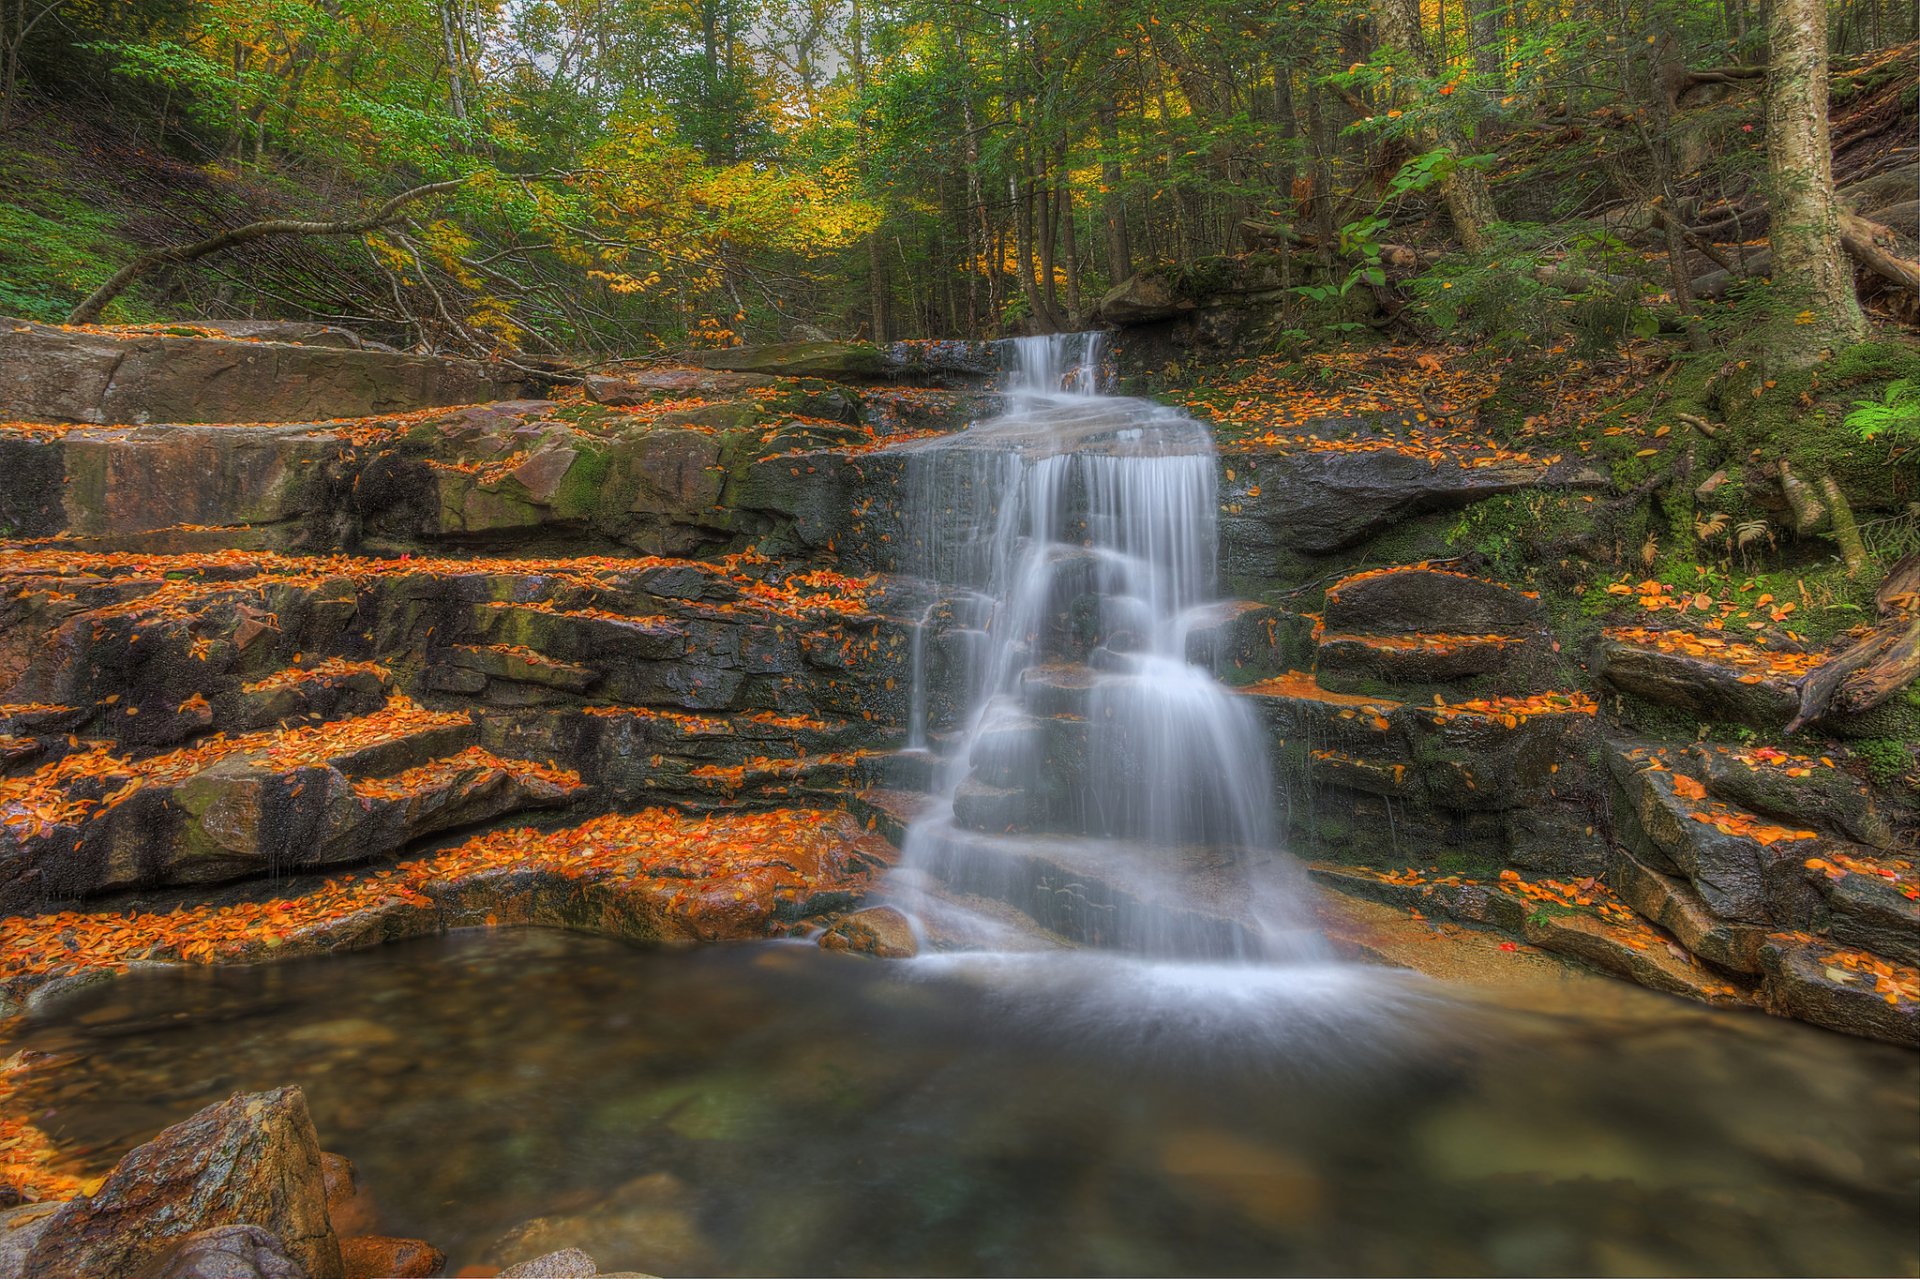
<point>1142,299</point>
<point>229,1252</point>
<point>378,1257</point>
<point>1798,789</point>
<point>1707,688</point>
<point>880,931</point>
<point>250,1160</point>
<point>51,374</point>
<point>1423,600</point>
<point>855,362</point>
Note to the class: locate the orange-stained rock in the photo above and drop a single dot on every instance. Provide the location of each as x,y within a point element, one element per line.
<point>252,1159</point>
<point>350,1208</point>
<point>379,1257</point>
<point>880,931</point>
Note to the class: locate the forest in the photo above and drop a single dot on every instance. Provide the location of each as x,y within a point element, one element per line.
<point>607,178</point>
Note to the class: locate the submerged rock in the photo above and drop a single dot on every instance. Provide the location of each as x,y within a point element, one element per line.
<point>379,1257</point>
<point>252,1159</point>
<point>231,1252</point>
<point>651,1217</point>
<point>880,931</point>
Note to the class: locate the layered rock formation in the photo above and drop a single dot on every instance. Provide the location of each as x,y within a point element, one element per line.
<point>232,653</point>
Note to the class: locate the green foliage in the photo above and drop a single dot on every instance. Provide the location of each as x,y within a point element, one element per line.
<point>1895,416</point>
<point>1542,287</point>
<point>1886,759</point>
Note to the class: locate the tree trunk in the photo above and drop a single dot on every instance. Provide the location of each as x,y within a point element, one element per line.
<point>1022,197</point>
<point>1070,244</point>
<point>1322,174</point>
<point>1815,308</point>
<point>1113,206</point>
<point>1469,203</point>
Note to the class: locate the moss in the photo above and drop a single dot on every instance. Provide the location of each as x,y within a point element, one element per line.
<point>1886,759</point>
<point>582,487</point>
<point>1469,865</point>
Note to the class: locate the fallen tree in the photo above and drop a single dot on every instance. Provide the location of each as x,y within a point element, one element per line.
<point>180,254</point>
<point>1878,666</point>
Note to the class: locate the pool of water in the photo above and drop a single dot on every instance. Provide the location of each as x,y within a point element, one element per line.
<point>772,1108</point>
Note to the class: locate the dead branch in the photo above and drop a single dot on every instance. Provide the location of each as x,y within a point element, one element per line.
<point>181,254</point>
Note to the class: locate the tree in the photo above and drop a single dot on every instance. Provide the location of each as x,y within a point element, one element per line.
<point>1816,307</point>
<point>1464,188</point>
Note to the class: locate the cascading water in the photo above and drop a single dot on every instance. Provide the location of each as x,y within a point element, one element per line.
<point>1100,780</point>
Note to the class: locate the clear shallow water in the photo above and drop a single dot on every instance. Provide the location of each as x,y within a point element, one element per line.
<point>774,1109</point>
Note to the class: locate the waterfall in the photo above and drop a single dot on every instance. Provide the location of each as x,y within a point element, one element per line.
<point>1070,538</point>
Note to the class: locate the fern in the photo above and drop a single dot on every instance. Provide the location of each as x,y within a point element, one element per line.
<point>1895,414</point>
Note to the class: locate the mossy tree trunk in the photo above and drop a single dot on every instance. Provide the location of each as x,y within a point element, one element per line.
<point>1816,308</point>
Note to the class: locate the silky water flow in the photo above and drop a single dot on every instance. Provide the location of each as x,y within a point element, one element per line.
<point>1099,779</point>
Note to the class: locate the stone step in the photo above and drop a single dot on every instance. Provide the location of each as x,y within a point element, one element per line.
<point>1840,988</point>
<point>1729,680</point>
<point>650,876</point>
<point>1351,662</point>
<point>1426,599</point>
<point>1580,919</point>
<point>1111,893</point>
<point>273,801</point>
<point>1782,785</point>
<point>1722,877</point>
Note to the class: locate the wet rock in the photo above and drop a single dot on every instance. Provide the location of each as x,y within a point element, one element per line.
<point>1867,911</point>
<point>229,1252</point>
<point>1426,601</point>
<point>350,1208</point>
<point>379,1257</point>
<point>1638,954</point>
<point>650,1217</point>
<point>20,1229</point>
<point>1809,980</point>
<point>1738,877</point>
<point>1709,689</point>
<point>1556,838</point>
<point>1671,903</point>
<point>1824,796</point>
<point>56,375</point>
<point>880,931</point>
<point>1240,639</point>
<point>837,361</point>
<point>944,362</point>
<point>252,1159</point>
